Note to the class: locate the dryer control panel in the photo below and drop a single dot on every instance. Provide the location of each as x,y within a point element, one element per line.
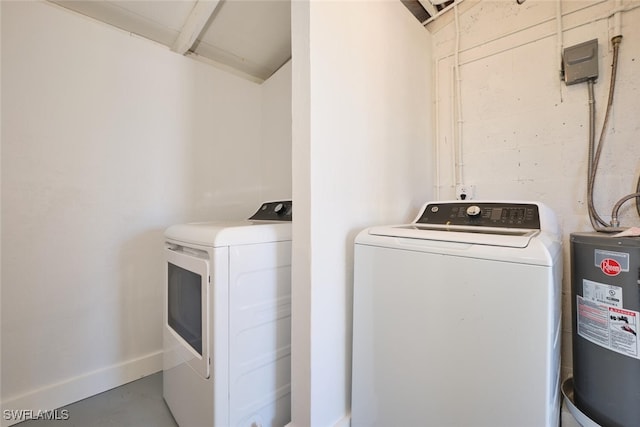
<point>482,214</point>
<point>274,211</point>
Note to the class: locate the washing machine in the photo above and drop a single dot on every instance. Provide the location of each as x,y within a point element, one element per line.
<point>227,320</point>
<point>456,318</point>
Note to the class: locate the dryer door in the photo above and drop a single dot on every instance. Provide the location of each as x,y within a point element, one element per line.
<point>186,314</point>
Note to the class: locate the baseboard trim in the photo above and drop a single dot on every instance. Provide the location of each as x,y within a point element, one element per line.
<point>82,386</point>
<point>344,422</point>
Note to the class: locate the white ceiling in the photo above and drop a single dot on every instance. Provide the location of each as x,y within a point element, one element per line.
<point>252,37</point>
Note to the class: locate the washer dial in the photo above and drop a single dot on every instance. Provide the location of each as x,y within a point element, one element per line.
<point>473,211</point>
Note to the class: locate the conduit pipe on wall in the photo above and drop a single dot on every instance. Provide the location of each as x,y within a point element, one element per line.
<point>455,54</point>
<point>458,95</point>
<point>617,18</point>
<point>537,24</point>
<point>437,143</point>
<point>542,37</point>
<point>454,141</point>
<point>559,41</point>
<point>617,10</point>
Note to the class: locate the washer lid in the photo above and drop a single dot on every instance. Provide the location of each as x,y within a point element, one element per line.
<point>507,237</point>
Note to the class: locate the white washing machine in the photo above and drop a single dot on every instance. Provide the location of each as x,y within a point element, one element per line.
<point>456,318</point>
<point>227,321</point>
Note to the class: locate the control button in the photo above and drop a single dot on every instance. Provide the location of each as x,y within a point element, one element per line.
<point>279,209</point>
<point>473,210</point>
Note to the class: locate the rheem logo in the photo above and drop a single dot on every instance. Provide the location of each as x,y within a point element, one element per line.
<point>610,267</point>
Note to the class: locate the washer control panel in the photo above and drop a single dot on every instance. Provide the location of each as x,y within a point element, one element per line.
<point>482,214</point>
<point>274,211</point>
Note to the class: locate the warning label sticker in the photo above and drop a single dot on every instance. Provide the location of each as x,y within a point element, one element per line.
<point>624,331</point>
<point>607,326</point>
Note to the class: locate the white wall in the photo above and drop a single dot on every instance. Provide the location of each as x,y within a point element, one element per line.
<point>525,133</point>
<point>106,140</point>
<point>275,154</point>
<point>361,156</point>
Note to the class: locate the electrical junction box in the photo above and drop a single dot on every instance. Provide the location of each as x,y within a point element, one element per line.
<point>580,62</point>
<point>465,192</point>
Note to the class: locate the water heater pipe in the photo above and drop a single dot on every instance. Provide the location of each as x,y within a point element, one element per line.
<point>617,37</point>
<point>614,213</point>
<point>596,221</point>
<point>593,214</point>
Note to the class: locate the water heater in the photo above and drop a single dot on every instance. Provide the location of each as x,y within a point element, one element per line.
<point>605,285</point>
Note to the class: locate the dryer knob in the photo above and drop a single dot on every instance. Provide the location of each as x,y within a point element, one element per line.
<point>279,209</point>
<point>473,210</point>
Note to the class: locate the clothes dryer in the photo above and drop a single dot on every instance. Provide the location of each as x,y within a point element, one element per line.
<point>456,318</point>
<point>227,320</point>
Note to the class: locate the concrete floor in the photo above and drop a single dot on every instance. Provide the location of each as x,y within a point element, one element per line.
<point>140,404</point>
<point>137,404</point>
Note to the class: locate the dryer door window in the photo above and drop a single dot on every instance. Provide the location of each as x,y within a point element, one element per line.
<point>184,305</point>
<point>187,305</point>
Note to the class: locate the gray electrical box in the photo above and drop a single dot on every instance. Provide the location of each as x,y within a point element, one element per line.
<point>580,62</point>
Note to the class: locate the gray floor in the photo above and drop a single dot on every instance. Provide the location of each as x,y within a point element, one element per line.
<point>138,403</point>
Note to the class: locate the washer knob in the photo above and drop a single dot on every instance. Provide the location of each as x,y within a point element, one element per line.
<point>473,210</point>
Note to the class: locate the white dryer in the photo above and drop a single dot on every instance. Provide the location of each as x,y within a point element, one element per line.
<point>227,321</point>
<point>456,318</point>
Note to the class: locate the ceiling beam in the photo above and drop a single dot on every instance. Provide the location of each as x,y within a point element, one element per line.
<point>198,18</point>
<point>429,7</point>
